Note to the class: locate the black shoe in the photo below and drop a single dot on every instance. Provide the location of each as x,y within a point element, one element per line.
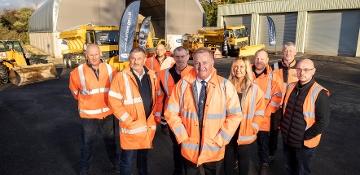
<point>264,169</point>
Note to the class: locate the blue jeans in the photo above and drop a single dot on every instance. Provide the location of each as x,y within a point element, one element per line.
<point>127,158</point>
<point>108,128</point>
<point>298,160</point>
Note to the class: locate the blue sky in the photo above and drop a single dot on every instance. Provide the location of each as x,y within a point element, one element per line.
<point>12,4</point>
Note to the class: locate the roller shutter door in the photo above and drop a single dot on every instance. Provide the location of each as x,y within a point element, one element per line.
<point>239,20</point>
<point>285,26</point>
<point>332,32</point>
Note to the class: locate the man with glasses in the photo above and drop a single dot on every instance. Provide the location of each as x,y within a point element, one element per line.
<point>305,116</point>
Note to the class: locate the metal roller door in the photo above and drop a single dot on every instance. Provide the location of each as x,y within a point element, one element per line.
<point>285,26</point>
<point>333,32</point>
<point>239,20</point>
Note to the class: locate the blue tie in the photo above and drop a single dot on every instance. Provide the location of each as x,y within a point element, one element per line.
<point>201,102</point>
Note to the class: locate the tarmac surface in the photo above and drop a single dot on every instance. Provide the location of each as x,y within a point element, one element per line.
<point>40,128</point>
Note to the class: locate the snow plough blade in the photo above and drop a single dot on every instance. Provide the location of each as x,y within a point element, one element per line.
<point>31,74</point>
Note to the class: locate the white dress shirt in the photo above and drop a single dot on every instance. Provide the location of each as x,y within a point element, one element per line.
<point>198,85</point>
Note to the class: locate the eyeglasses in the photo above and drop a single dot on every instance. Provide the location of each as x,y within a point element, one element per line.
<point>305,70</point>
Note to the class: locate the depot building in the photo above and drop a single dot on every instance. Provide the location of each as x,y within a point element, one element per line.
<point>324,27</point>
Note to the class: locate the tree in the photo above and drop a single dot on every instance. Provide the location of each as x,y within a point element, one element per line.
<point>14,24</point>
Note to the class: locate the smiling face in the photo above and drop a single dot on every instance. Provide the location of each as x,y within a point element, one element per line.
<point>137,61</point>
<point>203,63</point>
<point>261,60</point>
<point>305,71</point>
<point>160,50</point>
<point>93,55</point>
<point>289,52</point>
<point>238,69</point>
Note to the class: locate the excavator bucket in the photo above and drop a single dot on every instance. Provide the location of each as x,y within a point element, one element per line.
<point>250,50</point>
<point>32,74</point>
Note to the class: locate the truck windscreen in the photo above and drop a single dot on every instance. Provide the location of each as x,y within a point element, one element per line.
<point>107,37</point>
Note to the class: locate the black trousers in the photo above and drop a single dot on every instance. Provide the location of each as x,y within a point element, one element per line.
<point>274,131</point>
<point>263,147</point>
<point>237,157</point>
<point>298,160</point>
<point>210,168</point>
<point>108,129</point>
<point>178,159</point>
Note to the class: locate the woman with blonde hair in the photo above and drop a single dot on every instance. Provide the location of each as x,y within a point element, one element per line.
<point>252,103</point>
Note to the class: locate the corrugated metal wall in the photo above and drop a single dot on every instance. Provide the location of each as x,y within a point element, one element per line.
<point>333,32</point>
<point>285,26</point>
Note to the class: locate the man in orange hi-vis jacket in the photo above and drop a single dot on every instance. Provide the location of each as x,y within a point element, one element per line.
<point>203,112</point>
<point>90,84</point>
<point>132,98</point>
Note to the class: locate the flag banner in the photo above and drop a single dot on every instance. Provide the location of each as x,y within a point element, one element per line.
<point>144,32</point>
<point>225,46</point>
<point>271,31</point>
<point>127,30</point>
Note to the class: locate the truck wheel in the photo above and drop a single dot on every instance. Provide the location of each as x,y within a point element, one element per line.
<point>4,74</point>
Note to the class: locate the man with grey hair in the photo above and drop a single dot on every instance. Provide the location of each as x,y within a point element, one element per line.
<point>284,73</point>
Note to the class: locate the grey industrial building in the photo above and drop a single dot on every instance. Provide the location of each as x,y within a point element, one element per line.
<point>325,27</point>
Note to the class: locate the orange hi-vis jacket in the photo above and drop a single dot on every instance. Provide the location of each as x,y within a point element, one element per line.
<point>253,106</point>
<point>90,91</point>
<point>154,64</point>
<point>279,77</point>
<point>163,94</point>
<point>222,114</point>
<point>308,109</point>
<point>273,95</point>
<point>136,130</point>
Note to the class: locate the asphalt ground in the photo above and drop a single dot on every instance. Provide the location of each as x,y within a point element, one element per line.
<point>40,128</point>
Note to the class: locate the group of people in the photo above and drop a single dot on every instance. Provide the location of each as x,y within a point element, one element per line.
<point>211,120</point>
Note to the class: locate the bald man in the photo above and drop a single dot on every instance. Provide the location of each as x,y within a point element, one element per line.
<point>90,84</point>
<point>159,61</point>
<point>305,116</point>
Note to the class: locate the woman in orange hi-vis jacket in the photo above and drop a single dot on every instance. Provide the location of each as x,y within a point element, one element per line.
<point>203,112</point>
<point>132,98</point>
<point>90,84</point>
<point>252,106</point>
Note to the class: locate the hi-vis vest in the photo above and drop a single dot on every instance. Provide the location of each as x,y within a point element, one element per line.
<point>136,131</point>
<point>279,77</point>
<point>222,114</point>
<point>272,96</point>
<point>308,109</point>
<point>91,93</point>
<point>253,107</point>
<point>168,84</point>
<point>153,64</point>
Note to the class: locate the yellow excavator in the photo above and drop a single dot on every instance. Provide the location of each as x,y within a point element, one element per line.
<point>16,68</point>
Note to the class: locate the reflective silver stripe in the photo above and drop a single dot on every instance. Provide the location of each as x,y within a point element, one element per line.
<point>252,103</point>
<point>255,125</point>
<point>314,93</point>
<point>173,108</point>
<point>163,123</point>
<point>180,130</point>
<point>207,147</point>
<point>133,101</point>
<point>75,92</point>
<point>259,112</point>
<point>215,116</point>
<point>268,89</point>
<point>82,77</point>
<point>95,91</point>
<point>225,136</point>
<point>124,117</point>
<point>94,111</point>
<point>190,115</point>
<point>182,91</point>
<point>274,104</point>
<point>127,87</point>
<point>115,95</point>
<point>166,81</point>
<point>233,111</point>
<point>109,70</point>
<point>278,94</point>
<point>190,146</point>
<point>134,131</point>
<point>157,114</point>
<point>276,65</point>
<point>309,114</point>
<point>247,138</point>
